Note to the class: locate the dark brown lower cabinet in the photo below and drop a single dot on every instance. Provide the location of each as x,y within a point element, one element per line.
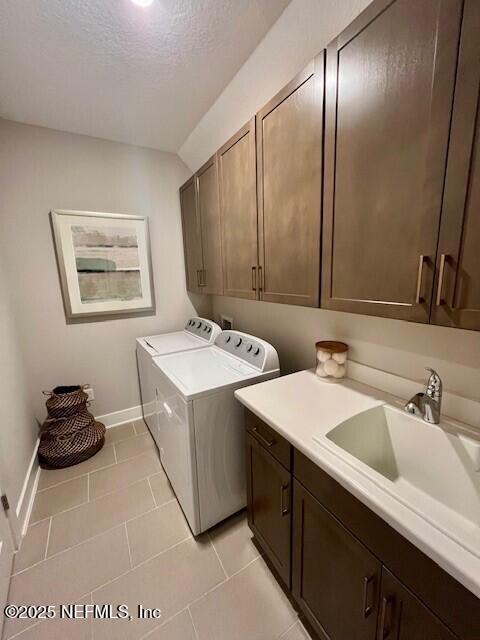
<point>352,576</point>
<point>404,617</point>
<point>269,493</point>
<point>335,578</point>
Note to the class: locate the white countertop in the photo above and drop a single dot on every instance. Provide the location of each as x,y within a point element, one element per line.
<point>302,405</point>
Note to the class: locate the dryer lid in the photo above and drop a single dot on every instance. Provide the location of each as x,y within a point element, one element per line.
<point>172,342</point>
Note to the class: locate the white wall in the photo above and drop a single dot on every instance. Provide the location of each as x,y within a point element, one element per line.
<point>302,31</point>
<point>18,428</point>
<point>404,348</point>
<point>42,169</point>
<point>305,27</point>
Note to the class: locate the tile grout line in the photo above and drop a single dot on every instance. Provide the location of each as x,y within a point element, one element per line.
<point>140,564</point>
<point>88,487</point>
<point>77,544</point>
<point>151,490</point>
<point>193,624</point>
<point>216,553</point>
<point>126,486</point>
<point>48,539</point>
<point>81,504</point>
<point>162,624</point>
<point>115,452</point>
<point>284,633</point>
<point>141,515</point>
<point>222,583</point>
<point>128,545</point>
<point>15,635</point>
<point>81,475</point>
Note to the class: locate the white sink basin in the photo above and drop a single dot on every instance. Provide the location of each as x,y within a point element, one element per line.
<point>432,469</point>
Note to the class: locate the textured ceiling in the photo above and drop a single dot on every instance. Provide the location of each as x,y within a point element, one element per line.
<point>110,69</point>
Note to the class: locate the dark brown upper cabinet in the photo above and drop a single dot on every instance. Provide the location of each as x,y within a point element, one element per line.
<point>210,226</point>
<point>457,292</point>
<point>192,240</point>
<point>289,177</point>
<point>238,200</point>
<point>389,89</point>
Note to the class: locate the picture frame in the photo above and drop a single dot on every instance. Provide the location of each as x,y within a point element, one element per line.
<point>104,263</point>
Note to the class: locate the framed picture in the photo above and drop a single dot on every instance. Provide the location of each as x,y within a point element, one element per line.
<point>104,263</point>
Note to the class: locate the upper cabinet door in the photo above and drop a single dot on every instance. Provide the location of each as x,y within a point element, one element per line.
<point>289,183</point>
<point>238,201</point>
<point>390,83</point>
<point>457,293</point>
<point>192,242</point>
<point>209,212</point>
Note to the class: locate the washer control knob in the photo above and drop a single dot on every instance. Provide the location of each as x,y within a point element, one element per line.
<point>209,330</point>
<point>257,351</point>
<point>249,348</point>
<point>238,342</point>
<point>228,338</point>
<point>199,325</point>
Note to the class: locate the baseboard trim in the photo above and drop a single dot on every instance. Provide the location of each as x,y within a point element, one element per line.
<point>27,496</point>
<point>119,417</point>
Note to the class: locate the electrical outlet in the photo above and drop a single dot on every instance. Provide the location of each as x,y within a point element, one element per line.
<point>226,323</point>
<point>90,393</point>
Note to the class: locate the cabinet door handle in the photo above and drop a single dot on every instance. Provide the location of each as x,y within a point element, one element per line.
<point>198,278</point>
<point>204,277</point>
<point>254,278</point>
<point>283,509</point>
<point>385,626</point>
<point>441,272</point>
<point>260,278</point>
<point>367,608</point>
<point>267,443</point>
<point>418,297</point>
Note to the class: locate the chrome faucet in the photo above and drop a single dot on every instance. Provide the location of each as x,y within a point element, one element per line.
<point>427,405</point>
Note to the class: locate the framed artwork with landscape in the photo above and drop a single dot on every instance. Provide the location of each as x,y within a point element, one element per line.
<point>104,263</point>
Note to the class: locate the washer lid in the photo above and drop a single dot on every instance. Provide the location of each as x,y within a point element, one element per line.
<point>176,341</point>
<point>204,370</point>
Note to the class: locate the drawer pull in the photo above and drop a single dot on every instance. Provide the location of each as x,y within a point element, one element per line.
<point>367,608</point>
<point>283,509</point>
<point>385,626</point>
<point>267,443</point>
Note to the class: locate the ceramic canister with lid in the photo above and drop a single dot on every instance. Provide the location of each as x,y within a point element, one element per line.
<point>331,359</point>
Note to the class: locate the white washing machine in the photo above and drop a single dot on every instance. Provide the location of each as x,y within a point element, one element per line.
<point>201,434</point>
<point>198,333</point>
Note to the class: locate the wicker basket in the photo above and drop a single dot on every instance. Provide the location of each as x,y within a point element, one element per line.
<point>65,401</point>
<point>70,434</point>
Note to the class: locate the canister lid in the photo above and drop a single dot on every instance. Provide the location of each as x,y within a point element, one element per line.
<point>331,346</point>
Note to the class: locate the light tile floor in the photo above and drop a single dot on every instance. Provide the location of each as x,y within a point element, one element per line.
<point>110,531</point>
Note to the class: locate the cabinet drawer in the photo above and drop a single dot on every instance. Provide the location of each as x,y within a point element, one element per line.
<point>275,444</point>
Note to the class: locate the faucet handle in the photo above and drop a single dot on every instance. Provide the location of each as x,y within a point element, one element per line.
<point>434,384</point>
